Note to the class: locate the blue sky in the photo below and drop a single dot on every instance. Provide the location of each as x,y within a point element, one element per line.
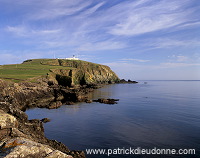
<point>138,39</point>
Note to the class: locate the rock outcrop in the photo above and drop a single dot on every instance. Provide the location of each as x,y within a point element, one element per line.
<point>20,137</point>
<point>81,73</point>
<point>24,148</point>
<point>14,142</point>
<point>127,81</point>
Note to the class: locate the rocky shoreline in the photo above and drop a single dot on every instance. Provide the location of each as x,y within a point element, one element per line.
<point>23,137</point>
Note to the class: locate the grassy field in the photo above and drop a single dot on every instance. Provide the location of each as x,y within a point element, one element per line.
<point>26,70</point>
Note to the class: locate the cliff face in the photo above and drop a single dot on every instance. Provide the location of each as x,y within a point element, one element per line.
<point>81,73</point>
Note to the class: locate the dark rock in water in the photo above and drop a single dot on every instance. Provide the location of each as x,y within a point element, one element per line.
<point>45,120</point>
<point>55,105</point>
<point>122,81</point>
<point>129,81</point>
<point>70,103</point>
<point>107,101</point>
<point>88,101</point>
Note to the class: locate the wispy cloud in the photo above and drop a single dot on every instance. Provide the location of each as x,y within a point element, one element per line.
<point>181,58</point>
<point>174,65</point>
<point>132,30</point>
<point>93,9</point>
<point>171,42</point>
<point>19,30</point>
<point>84,25</point>
<point>162,71</point>
<point>138,60</point>
<point>48,10</point>
<point>153,17</point>
<point>55,11</point>
<point>190,24</point>
<point>105,45</point>
<point>28,32</point>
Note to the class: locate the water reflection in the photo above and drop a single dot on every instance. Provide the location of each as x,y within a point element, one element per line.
<point>157,114</point>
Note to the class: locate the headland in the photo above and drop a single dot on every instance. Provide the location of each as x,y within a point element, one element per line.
<point>43,83</point>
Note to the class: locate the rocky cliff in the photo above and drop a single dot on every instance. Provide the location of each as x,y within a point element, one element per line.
<point>81,72</point>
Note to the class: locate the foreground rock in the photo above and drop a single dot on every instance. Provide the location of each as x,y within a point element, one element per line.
<point>55,105</point>
<point>23,148</point>
<point>26,139</point>
<point>7,121</point>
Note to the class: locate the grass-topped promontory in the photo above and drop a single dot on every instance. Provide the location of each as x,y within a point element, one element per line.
<point>29,69</point>
<point>59,71</point>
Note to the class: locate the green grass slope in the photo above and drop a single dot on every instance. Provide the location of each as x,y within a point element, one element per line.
<point>28,69</point>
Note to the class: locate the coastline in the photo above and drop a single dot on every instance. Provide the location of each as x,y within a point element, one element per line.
<point>68,83</point>
<point>15,98</point>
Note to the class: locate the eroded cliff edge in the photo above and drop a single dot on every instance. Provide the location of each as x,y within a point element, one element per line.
<point>66,82</point>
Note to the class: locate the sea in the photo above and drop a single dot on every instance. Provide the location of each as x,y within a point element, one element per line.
<point>150,116</point>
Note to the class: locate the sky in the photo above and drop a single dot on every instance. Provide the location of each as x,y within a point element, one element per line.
<point>138,39</point>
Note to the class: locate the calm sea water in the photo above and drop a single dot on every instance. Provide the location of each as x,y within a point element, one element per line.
<point>162,114</point>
